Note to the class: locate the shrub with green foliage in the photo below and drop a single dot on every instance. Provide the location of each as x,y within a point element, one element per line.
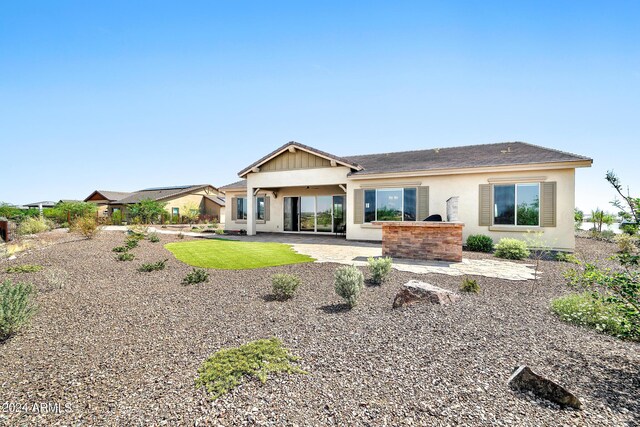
<point>585,310</point>
<point>284,286</point>
<point>116,217</point>
<point>16,307</point>
<point>120,249</point>
<point>479,243</point>
<point>125,256</point>
<point>567,257</point>
<point>379,269</point>
<point>131,243</point>
<point>219,231</point>
<point>24,268</point>
<point>154,238</point>
<point>86,225</point>
<point>228,367</point>
<point>146,211</point>
<point>32,225</point>
<point>626,243</point>
<point>197,275</point>
<point>469,285</point>
<point>511,249</point>
<point>349,282</point>
<point>154,266</point>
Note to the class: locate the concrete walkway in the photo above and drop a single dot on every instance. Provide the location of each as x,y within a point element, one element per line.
<point>338,250</point>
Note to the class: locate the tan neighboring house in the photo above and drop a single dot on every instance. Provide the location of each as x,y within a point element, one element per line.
<point>102,198</point>
<point>206,198</point>
<point>503,190</point>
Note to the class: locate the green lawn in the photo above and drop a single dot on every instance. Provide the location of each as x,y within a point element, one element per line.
<point>235,255</point>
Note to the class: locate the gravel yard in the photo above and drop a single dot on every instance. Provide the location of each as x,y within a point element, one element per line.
<point>119,347</point>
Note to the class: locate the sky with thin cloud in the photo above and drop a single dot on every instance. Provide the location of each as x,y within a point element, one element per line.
<point>123,95</point>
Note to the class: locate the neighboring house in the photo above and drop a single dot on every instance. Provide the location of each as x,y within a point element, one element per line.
<point>102,198</point>
<point>37,205</point>
<point>504,190</point>
<point>205,198</point>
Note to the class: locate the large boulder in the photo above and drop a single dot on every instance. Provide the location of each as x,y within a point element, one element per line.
<point>524,379</point>
<point>416,291</point>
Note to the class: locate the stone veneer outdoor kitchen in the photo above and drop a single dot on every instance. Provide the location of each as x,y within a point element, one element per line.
<point>432,241</point>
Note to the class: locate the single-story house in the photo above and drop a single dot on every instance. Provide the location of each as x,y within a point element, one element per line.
<point>204,198</point>
<point>102,198</point>
<point>503,190</point>
<point>44,204</point>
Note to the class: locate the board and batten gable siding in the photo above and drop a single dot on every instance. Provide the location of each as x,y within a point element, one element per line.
<point>548,204</point>
<point>298,160</point>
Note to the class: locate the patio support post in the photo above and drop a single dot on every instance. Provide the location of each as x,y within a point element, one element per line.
<point>251,212</point>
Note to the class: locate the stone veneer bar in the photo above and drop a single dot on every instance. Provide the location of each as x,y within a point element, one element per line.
<point>436,241</point>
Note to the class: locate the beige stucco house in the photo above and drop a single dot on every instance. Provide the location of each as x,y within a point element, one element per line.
<point>503,190</point>
<point>206,198</point>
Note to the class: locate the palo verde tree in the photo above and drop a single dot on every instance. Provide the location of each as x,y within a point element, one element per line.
<point>629,206</point>
<point>147,211</point>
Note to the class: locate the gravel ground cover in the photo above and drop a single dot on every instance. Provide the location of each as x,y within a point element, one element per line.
<point>119,347</point>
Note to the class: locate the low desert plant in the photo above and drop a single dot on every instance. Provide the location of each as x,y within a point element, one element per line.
<point>56,278</point>
<point>511,249</point>
<point>24,268</point>
<point>479,243</point>
<point>626,243</point>
<point>153,237</point>
<point>349,282</point>
<point>131,243</point>
<point>125,256</point>
<point>469,285</point>
<point>180,235</point>
<point>33,225</point>
<point>284,286</point>
<point>379,269</point>
<point>227,368</point>
<point>219,231</point>
<point>120,249</point>
<point>197,275</point>
<point>567,257</point>
<point>16,307</point>
<point>85,225</point>
<point>154,266</point>
<point>585,310</point>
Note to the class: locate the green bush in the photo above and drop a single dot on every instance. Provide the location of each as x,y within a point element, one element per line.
<point>32,225</point>
<point>469,285</point>
<point>379,269</point>
<point>197,275</point>
<point>16,307</point>
<point>511,249</point>
<point>116,218</point>
<point>125,256</point>
<point>154,238</point>
<point>479,243</point>
<point>284,286</point>
<point>567,257</point>
<point>227,368</point>
<point>154,266</point>
<point>219,231</point>
<point>120,249</point>
<point>25,268</point>
<point>626,243</point>
<point>131,243</point>
<point>585,310</point>
<point>86,225</point>
<point>349,282</point>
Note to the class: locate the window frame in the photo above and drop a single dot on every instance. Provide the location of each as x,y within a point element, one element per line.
<point>264,205</point>
<point>515,207</point>
<point>375,204</point>
<point>241,201</point>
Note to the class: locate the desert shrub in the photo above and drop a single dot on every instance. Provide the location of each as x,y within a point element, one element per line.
<point>511,249</point>
<point>379,269</point>
<point>349,282</point>
<point>606,235</point>
<point>479,243</point>
<point>154,266</point>
<point>86,225</point>
<point>25,268</point>
<point>56,278</point>
<point>131,243</point>
<point>626,243</point>
<point>284,286</point>
<point>585,310</point>
<point>180,235</point>
<point>197,275</point>
<point>16,307</point>
<point>154,238</point>
<point>567,257</point>
<point>137,233</point>
<point>227,368</point>
<point>120,249</point>
<point>146,211</point>
<point>469,285</point>
<point>32,225</point>
<point>219,231</point>
<point>125,256</point>
<point>116,218</point>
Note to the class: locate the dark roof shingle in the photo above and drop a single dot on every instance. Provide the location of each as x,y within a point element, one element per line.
<point>159,193</point>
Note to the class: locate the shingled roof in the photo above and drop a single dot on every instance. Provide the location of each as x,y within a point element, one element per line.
<point>238,185</point>
<point>160,193</point>
<point>109,195</point>
<point>470,156</point>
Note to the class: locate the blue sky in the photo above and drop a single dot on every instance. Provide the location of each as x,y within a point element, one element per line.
<point>128,95</point>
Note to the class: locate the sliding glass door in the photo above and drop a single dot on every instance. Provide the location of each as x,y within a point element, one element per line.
<point>323,214</point>
<point>320,214</point>
<point>308,213</point>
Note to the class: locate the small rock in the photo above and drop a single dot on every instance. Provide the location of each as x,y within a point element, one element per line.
<point>416,291</point>
<point>524,380</point>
